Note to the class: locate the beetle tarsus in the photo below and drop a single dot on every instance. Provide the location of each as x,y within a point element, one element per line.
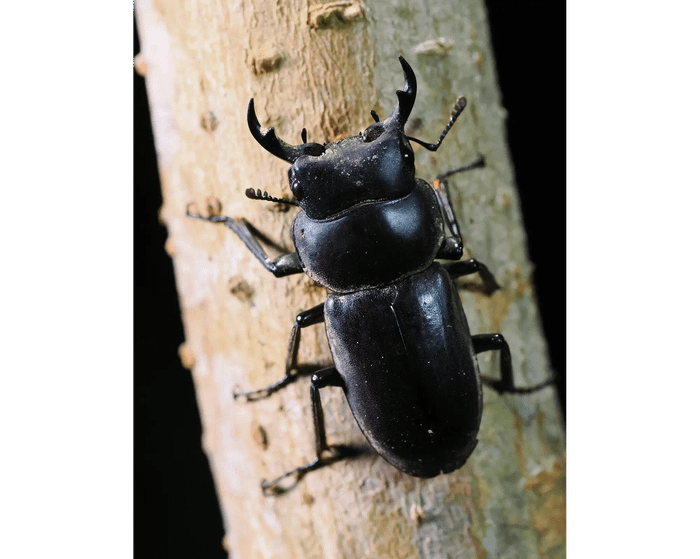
<point>478,163</point>
<point>260,394</point>
<point>502,388</point>
<point>506,384</point>
<point>331,455</point>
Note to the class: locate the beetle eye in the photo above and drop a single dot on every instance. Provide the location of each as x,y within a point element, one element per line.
<point>295,183</point>
<point>373,132</point>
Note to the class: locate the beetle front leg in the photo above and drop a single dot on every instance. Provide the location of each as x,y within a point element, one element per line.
<point>506,384</point>
<point>452,246</point>
<point>284,265</point>
<point>324,454</point>
<point>303,320</point>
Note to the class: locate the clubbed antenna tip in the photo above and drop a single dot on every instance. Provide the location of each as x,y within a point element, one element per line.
<point>259,195</point>
<point>459,106</point>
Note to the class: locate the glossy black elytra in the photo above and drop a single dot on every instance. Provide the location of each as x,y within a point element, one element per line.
<point>370,232</point>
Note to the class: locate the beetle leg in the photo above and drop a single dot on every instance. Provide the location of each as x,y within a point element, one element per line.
<point>304,319</point>
<point>321,379</point>
<point>473,266</point>
<point>283,265</point>
<point>506,384</point>
<point>452,246</point>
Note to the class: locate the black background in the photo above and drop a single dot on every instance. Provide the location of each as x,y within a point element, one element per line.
<point>176,513</point>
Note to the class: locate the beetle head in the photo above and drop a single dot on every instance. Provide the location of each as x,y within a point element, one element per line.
<point>376,165</point>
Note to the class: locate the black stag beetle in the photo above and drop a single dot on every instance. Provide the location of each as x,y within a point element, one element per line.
<point>370,231</point>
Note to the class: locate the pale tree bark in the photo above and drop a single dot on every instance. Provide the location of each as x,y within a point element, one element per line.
<point>324,67</point>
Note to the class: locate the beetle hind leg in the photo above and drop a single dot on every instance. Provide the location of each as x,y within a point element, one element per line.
<point>325,454</point>
<point>506,384</point>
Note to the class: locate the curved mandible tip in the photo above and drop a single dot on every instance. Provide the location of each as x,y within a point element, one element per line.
<point>275,145</point>
<point>268,139</point>
<point>407,96</point>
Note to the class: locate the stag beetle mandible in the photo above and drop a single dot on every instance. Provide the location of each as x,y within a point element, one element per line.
<point>370,231</point>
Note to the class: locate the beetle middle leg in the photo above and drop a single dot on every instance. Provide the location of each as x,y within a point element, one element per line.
<point>304,319</point>
<point>473,266</point>
<point>506,384</point>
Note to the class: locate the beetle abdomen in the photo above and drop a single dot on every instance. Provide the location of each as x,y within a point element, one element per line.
<point>411,375</point>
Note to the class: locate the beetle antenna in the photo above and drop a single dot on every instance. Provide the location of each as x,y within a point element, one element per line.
<point>303,135</point>
<point>375,116</point>
<point>456,111</point>
<point>253,195</point>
